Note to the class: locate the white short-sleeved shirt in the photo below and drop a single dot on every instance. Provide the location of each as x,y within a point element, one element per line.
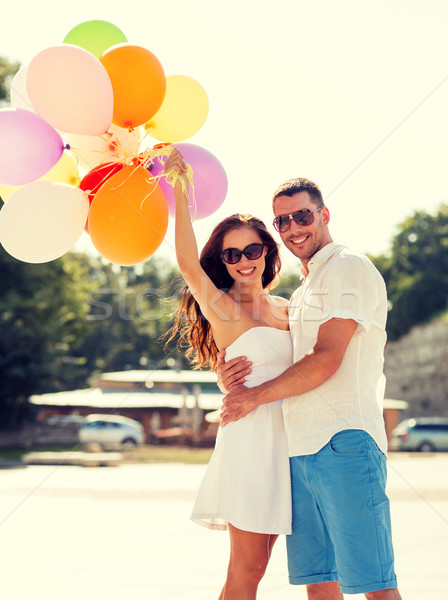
<point>345,285</point>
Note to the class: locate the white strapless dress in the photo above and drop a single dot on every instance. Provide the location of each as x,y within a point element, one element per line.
<point>247,481</point>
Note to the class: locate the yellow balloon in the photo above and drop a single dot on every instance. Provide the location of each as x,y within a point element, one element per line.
<point>183,111</point>
<point>64,171</point>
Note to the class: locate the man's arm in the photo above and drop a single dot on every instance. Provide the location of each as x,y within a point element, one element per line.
<point>307,373</point>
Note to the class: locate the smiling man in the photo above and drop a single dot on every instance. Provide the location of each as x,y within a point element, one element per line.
<point>333,394</point>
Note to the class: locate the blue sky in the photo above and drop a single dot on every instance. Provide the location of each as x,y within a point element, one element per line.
<point>353,95</point>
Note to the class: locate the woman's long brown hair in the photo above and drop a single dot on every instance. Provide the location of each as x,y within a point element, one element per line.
<point>195,332</point>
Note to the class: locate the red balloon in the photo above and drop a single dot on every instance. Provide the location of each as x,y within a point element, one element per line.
<point>95,178</point>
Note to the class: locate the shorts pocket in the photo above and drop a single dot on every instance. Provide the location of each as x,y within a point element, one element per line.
<point>350,442</point>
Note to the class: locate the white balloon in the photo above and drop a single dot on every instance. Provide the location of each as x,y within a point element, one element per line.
<point>43,220</point>
<point>116,145</point>
<point>19,93</point>
<point>90,150</point>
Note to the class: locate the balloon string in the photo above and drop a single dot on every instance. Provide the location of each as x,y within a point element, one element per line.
<point>147,196</point>
<point>173,176</point>
<point>146,159</point>
<point>119,153</point>
<point>100,183</point>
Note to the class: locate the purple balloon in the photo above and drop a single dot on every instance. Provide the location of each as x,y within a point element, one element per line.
<point>209,180</point>
<point>29,146</point>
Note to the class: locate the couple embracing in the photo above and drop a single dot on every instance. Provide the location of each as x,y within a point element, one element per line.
<point>301,445</point>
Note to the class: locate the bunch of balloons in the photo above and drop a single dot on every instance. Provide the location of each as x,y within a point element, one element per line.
<point>75,151</point>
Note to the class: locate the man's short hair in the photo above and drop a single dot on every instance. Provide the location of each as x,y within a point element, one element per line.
<point>296,185</point>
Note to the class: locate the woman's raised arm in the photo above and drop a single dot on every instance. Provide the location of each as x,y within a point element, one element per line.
<point>186,247</point>
<point>201,286</point>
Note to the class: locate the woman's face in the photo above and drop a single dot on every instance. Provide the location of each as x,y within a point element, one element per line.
<point>245,271</point>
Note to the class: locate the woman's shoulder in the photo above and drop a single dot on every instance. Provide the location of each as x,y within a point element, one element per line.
<point>279,307</point>
<point>279,301</point>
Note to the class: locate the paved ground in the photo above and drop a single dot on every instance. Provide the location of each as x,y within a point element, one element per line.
<point>123,533</point>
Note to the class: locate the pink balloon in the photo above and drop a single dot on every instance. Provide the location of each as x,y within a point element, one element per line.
<point>209,180</point>
<point>29,146</point>
<point>71,89</point>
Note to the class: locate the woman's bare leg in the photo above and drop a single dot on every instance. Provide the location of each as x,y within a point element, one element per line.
<point>249,557</point>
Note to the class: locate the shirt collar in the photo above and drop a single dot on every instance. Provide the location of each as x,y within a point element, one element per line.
<point>322,256</point>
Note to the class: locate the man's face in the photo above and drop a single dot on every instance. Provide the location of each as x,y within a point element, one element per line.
<point>303,241</point>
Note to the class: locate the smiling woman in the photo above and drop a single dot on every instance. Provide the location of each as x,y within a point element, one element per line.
<point>226,305</point>
<point>228,280</point>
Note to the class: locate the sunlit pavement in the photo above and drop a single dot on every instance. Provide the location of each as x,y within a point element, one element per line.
<point>124,533</point>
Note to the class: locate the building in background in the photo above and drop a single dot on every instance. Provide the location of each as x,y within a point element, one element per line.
<point>171,405</point>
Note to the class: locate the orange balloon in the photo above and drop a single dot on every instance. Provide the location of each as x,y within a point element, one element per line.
<point>128,217</point>
<point>138,82</point>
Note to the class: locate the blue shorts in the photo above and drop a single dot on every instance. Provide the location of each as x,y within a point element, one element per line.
<point>341,522</point>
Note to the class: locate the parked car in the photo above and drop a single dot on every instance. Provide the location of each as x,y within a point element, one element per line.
<point>111,430</point>
<point>426,434</point>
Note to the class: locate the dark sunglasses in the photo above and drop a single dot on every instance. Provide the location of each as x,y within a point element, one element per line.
<point>232,255</point>
<point>304,217</point>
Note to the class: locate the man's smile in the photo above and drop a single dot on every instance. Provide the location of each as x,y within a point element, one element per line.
<point>298,240</point>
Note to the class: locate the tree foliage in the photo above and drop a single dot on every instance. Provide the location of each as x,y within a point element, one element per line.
<point>42,320</point>
<point>416,271</point>
<point>63,321</point>
<point>130,310</point>
<point>7,71</point>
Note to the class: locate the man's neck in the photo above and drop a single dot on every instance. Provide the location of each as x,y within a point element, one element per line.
<point>305,261</point>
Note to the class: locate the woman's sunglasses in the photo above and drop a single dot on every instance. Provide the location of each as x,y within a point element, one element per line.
<point>304,217</point>
<point>232,255</point>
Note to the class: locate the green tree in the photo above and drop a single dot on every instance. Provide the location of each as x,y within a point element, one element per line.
<point>130,309</point>
<point>416,271</point>
<point>63,321</point>
<point>7,71</point>
<point>290,280</point>
<point>43,312</point>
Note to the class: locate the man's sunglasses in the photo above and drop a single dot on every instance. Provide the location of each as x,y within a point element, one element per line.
<point>304,217</point>
<point>232,255</point>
